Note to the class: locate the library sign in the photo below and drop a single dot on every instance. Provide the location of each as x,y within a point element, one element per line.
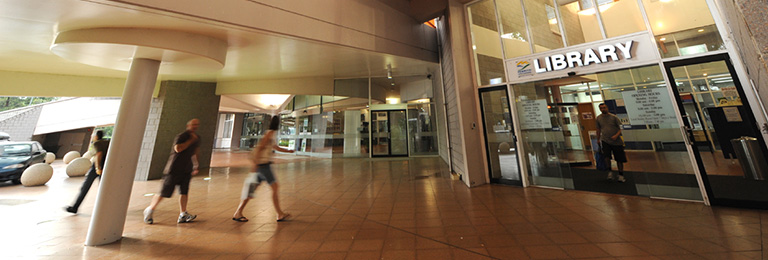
<point>611,54</point>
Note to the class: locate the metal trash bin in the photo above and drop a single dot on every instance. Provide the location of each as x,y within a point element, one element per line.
<point>751,157</point>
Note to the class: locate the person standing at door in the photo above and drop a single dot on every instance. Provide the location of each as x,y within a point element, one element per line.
<point>181,166</point>
<point>609,133</point>
<point>100,145</point>
<point>262,171</point>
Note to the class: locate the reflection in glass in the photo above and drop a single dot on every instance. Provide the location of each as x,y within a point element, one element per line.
<point>560,152</point>
<point>398,132</point>
<point>579,21</point>
<point>543,21</point>
<point>422,129</point>
<point>620,17</point>
<point>513,31</point>
<point>486,46</point>
<point>680,35</point>
<point>500,140</point>
<point>717,116</point>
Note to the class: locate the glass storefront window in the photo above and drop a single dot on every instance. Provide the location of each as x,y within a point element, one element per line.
<point>513,32</point>
<point>542,18</point>
<point>620,17</point>
<point>486,46</point>
<point>422,130</point>
<point>579,21</point>
<point>680,35</point>
<point>558,126</point>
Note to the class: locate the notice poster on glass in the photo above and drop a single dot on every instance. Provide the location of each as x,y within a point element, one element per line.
<point>649,107</point>
<point>534,114</point>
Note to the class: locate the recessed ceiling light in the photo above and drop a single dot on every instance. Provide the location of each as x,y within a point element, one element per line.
<point>662,39</point>
<point>701,30</point>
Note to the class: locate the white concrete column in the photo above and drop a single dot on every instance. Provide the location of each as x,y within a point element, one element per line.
<point>116,184</point>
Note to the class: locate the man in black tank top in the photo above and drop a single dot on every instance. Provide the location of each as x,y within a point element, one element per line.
<point>182,164</point>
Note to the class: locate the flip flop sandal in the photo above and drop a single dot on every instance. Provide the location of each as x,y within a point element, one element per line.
<point>285,217</point>
<point>240,219</point>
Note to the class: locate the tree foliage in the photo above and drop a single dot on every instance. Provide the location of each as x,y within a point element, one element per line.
<point>8,103</point>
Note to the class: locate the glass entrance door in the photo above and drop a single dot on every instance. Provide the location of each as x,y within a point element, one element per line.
<point>500,139</point>
<point>390,133</point>
<point>716,112</point>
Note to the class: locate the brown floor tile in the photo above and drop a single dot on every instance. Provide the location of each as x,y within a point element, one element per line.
<point>367,245</point>
<point>622,249</point>
<point>470,253</point>
<point>359,208</point>
<point>584,251</point>
<point>545,252</point>
<point>514,252</point>
<point>366,255</point>
<point>335,246</point>
<point>398,254</point>
<point>566,238</point>
<point>430,254</point>
<point>329,256</point>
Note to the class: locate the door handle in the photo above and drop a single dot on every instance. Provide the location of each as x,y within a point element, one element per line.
<point>687,135</point>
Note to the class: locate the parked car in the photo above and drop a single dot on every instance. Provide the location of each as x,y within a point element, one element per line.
<point>4,136</point>
<point>15,157</point>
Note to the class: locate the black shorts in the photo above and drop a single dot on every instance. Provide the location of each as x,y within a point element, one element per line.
<point>171,180</point>
<point>617,150</point>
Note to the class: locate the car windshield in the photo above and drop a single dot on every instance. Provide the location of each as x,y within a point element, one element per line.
<point>15,150</point>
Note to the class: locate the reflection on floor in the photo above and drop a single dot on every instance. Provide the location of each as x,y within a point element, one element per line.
<point>242,158</point>
<point>509,167</point>
<point>381,209</point>
<point>667,162</point>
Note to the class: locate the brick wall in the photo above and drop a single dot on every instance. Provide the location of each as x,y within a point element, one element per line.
<point>456,149</point>
<point>747,20</point>
<point>21,126</point>
<point>148,144</point>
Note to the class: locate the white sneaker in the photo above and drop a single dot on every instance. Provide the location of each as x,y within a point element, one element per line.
<point>186,217</point>
<point>621,178</point>
<point>610,176</point>
<point>148,216</point>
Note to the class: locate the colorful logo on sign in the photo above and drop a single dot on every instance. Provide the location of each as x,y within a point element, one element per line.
<point>524,68</point>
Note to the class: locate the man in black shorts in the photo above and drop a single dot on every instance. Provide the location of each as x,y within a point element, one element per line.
<point>609,132</point>
<point>178,171</point>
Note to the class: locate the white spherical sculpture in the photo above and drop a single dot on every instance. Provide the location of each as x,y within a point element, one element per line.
<point>78,167</point>
<point>68,157</point>
<point>37,174</point>
<point>50,157</point>
<point>89,154</point>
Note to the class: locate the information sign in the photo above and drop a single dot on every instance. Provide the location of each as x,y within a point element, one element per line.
<point>649,106</point>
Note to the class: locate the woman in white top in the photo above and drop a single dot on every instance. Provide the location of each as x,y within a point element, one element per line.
<point>262,171</point>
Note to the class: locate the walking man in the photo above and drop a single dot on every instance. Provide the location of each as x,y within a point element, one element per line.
<point>100,145</point>
<point>609,133</point>
<point>178,171</point>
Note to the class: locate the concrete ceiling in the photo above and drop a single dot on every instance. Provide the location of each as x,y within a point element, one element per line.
<point>28,27</point>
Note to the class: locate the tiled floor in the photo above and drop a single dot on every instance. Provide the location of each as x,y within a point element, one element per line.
<point>381,209</point>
